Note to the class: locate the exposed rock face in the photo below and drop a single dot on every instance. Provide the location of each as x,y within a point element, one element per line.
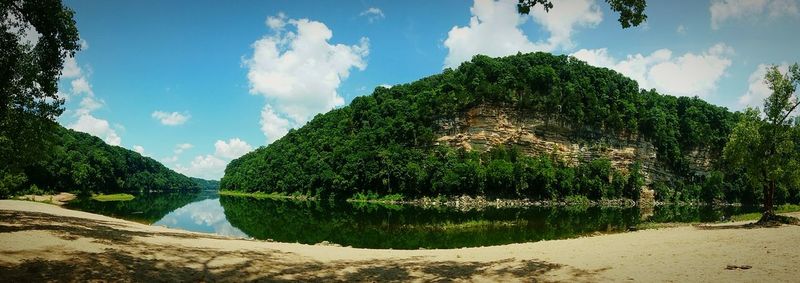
<point>487,126</point>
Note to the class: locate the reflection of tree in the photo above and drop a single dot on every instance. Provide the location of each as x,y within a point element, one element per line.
<point>145,208</point>
<point>414,227</point>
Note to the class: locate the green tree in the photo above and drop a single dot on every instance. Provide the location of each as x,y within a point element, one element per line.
<point>35,39</point>
<point>631,12</point>
<point>763,144</point>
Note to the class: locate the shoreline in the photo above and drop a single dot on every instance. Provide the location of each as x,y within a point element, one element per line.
<point>466,202</point>
<point>42,242</point>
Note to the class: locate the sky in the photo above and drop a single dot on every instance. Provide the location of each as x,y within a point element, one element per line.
<point>196,84</point>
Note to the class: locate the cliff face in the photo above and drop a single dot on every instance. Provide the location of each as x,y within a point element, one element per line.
<point>486,126</point>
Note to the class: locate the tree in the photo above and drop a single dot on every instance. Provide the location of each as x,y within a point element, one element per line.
<point>631,12</point>
<point>35,39</point>
<point>763,145</point>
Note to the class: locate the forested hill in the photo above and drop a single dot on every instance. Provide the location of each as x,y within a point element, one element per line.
<point>389,142</point>
<point>83,163</point>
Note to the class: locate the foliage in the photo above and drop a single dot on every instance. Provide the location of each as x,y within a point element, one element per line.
<point>84,164</point>
<point>631,12</point>
<point>206,185</point>
<point>28,82</point>
<point>765,145</point>
<point>113,197</point>
<point>385,143</point>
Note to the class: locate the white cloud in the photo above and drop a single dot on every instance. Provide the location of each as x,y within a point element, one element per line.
<point>494,29</point>
<point>98,127</point>
<point>204,166</point>
<point>179,148</point>
<point>686,75</point>
<point>272,125</point>
<point>681,29</point>
<point>757,89</point>
<point>86,122</point>
<point>170,119</point>
<point>299,71</point>
<point>139,149</point>
<point>753,10</point>
<point>81,86</point>
<point>232,149</point>
<point>71,69</point>
<point>373,14</point>
<point>212,166</point>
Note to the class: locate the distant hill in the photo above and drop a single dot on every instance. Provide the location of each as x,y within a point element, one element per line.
<point>83,163</point>
<point>535,125</point>
<point>206,185</point>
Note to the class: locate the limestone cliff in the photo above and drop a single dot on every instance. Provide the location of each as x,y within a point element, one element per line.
<point>486,126</point>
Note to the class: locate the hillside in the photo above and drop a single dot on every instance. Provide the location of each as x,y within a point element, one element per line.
<point>533,125</point>
<point>84,163</point>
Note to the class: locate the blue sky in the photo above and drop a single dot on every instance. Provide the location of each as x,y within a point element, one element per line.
<point>195,84</point>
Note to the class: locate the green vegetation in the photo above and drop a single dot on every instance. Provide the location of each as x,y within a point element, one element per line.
<point>28,84</point>
<point>271,195</point>
<point>786,208</point>
<point>373,197</point>
<point>84,164</point>
<point>113,197</point>
<point>206,185</point>
<point>385,143</point>
<point>767,147</point>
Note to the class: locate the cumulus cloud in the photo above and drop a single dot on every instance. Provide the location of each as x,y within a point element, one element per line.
<point>686,75</point>
<point>139,149</point>
<point>81,86</point>
<point>272,125</point>
<point>231,149</point>
<point>98,127</point>
<point>179,148</point>
<point>727,10</point>
<point>212,166</point>
<point>373,14</point>
<point>85,120</point>
<point>494,29</point>
<point>170,118</point>
<point>757,89</point>
<point>298,70</point>
<point>204,166</point>
<point>71,69</point>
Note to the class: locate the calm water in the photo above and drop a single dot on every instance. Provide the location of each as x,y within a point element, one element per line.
<point>376,226</point>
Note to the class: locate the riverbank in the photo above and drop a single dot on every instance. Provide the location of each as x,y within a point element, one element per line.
<point>42,242</point>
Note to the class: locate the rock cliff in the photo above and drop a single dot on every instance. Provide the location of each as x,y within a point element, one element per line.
<point>486,126</point>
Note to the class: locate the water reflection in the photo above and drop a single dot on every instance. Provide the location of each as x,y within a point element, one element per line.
<point>376,226</point>
<point>205,216</point>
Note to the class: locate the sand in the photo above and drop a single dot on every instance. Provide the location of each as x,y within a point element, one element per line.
<point>42,242</point>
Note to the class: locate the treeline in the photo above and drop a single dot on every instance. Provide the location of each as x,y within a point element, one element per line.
<point>82,163</point>
<point>384,142</point>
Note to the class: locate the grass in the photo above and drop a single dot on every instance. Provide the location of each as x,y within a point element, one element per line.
<point>261,195</point>
<point>113,197</point>
<point>373,197</point>
<point>757,215</point>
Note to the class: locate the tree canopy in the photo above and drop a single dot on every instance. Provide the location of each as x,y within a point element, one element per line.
<point>384,143</point>
<point>765,145</point>
<point>35,39</point>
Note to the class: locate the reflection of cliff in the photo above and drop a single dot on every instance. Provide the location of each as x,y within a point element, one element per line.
<point>414,227</point>
<point>487,126</point>
<point>145,208</point>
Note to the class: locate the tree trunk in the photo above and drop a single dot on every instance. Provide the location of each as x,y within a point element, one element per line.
<point>769,209</point>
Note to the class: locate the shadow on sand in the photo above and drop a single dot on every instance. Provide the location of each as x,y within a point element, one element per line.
<point>127,259</point>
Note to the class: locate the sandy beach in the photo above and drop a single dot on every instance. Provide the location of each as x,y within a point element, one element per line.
<point>42,242</point>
